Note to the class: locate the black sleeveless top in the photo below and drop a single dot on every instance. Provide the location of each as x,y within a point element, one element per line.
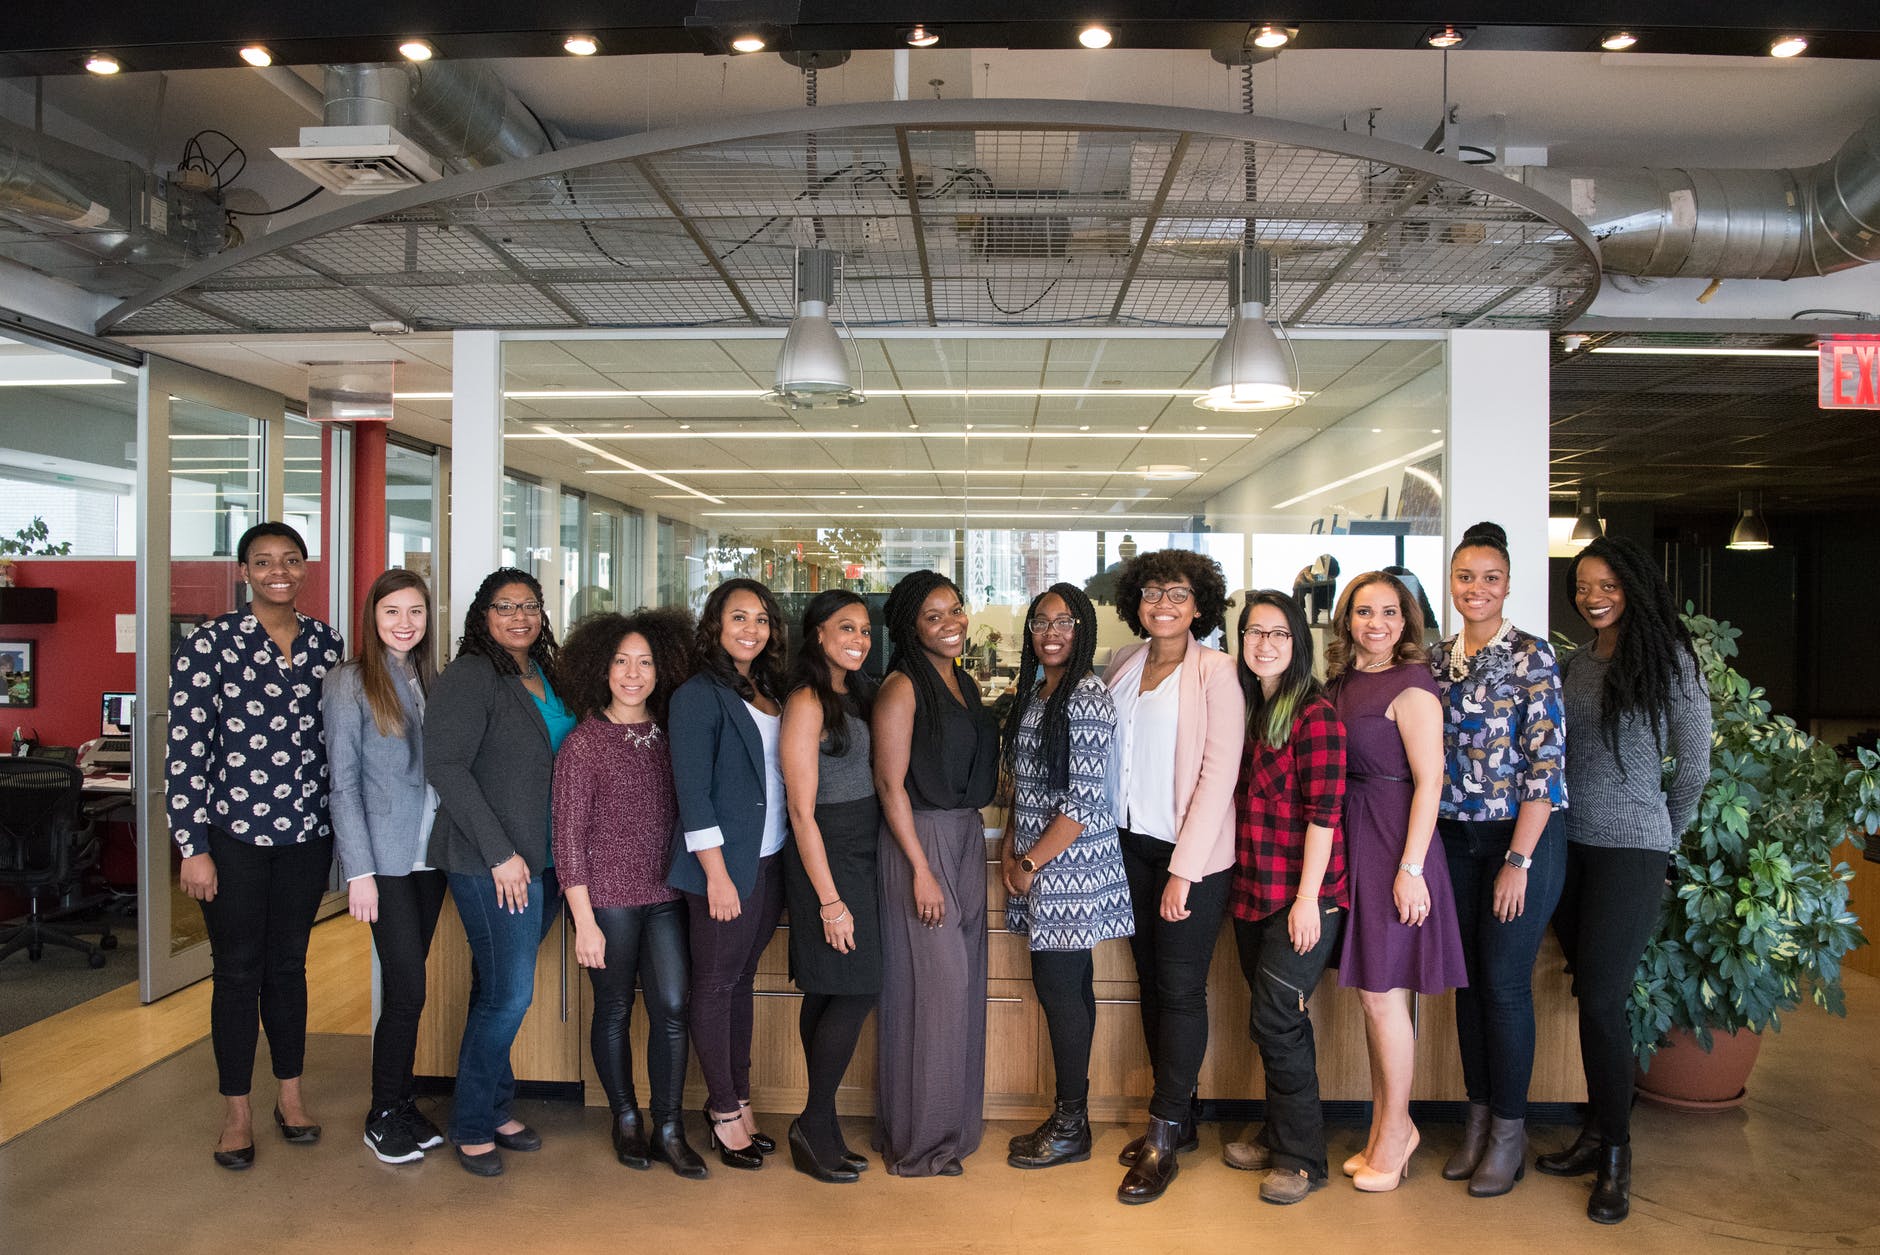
<point>965,770</point>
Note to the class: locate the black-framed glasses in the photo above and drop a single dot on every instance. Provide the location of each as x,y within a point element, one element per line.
<point>1279,636</point>
<point>1177,595</point>
<point>1063,625</point>
<point>510,609</point>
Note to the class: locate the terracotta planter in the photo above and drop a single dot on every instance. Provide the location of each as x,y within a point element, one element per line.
<point>1684,1076</point>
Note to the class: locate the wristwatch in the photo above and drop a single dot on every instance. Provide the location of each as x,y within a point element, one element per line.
<point>1027,866</point>
<point>1514,858</point>
<point>1415,869</point>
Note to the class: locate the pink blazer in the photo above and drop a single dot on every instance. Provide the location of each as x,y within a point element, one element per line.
<point>1210,733</point>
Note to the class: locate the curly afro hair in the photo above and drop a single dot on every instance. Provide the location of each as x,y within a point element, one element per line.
<point>1173,566</point>
<point>587,657</point>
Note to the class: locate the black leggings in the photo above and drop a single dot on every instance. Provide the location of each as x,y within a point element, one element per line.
<point>258,922</point>
<point>1063,981</point>
<point>408,909</point>
<point>1607,911</point>
<point>830,1025</point>
<point>648,942</point>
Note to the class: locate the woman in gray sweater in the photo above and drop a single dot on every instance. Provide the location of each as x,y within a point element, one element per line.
<point>1634,698</point>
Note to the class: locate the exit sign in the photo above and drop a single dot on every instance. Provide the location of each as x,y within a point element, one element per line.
<point>1850,373</point>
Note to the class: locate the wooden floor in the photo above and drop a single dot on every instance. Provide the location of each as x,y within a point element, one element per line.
<point>58,1063</point>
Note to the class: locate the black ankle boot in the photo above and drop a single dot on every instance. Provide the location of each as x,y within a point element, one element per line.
<point>1064,1137</point>
<point>1612,1188</point>
<point>630,1139</point>
<point>668,1146</point>
<point>1576,1160</point>
<point>1186,1131</point>
<point>1156,1164</point>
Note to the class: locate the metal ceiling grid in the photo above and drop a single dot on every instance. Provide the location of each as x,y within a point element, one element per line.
<point>945,212</point>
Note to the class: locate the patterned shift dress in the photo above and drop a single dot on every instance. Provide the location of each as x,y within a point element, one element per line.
<point>1080,897</point>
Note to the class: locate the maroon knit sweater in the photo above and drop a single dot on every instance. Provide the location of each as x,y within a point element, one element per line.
<point>614,813</point>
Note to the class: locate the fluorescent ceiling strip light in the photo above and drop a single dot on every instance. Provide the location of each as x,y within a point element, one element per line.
<point>870,472</point>
<point>752,394</point>
<point>1353,478</point>
<point>919,496</point>
<point>1703,351</point>
<point>250,437</point>
<point>58,383</point>
<point>797,434</point>
<point>1098,516</point>
<point>585,447</point>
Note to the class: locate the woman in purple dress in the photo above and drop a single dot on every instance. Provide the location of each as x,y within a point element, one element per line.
<point>1402,933</point>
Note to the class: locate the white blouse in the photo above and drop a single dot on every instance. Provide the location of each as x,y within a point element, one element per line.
<point>1146,726</point>
<point>776,808</point>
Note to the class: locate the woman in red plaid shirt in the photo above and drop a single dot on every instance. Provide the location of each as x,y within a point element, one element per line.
<point>1289,891</point>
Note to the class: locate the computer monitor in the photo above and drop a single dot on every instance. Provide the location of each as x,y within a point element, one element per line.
<point>118,711</point>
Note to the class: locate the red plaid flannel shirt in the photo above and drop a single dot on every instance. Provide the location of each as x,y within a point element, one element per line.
<point>1280,792</point>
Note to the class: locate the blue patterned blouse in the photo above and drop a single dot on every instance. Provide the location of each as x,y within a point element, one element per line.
<point>1504,732</point>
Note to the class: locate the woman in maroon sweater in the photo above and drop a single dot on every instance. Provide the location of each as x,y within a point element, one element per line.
<point>614,815</point>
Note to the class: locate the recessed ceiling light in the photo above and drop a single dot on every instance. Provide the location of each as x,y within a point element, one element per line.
<point>749,42</point>
<point>1448,37</point>
<point>416,50</point>
<point>1618,41</point>
<point>1094,37</point>
<point>581,45</point>
<point>102,63</point>
<point>1272,37</point>
<point>257,56</point>
<point>921,36</point>
<point>1789,46</point>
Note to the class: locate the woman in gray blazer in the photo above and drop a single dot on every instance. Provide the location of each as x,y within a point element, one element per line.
<point>490,735</point>
<point>382,811</point>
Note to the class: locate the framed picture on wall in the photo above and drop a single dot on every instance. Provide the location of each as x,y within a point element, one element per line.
<point>19,682</point>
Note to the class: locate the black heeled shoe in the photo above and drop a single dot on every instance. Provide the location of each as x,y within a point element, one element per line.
<point>854,1163</point>
<point>630,1146</point>
<point>749,1158</point>
<point>803,1156</point>
<point>298,1134</point>
<point>237,1159</point>
<point>668,1146</point>
<point>1576,1160</point>
<point>1612,1186</point>
<point>765,1143</point>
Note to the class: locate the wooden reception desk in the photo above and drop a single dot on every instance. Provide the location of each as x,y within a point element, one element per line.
<point>552,1046</point>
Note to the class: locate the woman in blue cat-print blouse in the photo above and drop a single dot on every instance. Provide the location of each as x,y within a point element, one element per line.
<point>1505,745</point>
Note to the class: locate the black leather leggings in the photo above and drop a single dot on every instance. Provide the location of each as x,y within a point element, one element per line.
<point>647,942</point>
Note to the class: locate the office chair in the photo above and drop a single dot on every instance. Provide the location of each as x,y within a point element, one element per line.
<point>47,844</point>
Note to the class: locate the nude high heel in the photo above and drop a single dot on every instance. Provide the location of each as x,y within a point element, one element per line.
<point>1371,1181</point>
<point>1354,1165</point>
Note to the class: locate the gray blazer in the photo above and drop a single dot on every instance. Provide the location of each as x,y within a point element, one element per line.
<point>486,752</point>
<point>378,790</point>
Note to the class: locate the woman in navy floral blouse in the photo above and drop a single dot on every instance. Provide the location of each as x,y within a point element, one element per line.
<point>247,787</point>
<point>1504,741</point>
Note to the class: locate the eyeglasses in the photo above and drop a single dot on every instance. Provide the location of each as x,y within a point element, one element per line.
<point>510,609</point>
<point>1177,596</point>
<point>1063,626</point>
<point>1279,636</point>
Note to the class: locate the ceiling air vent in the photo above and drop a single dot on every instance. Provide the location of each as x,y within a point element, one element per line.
<point>360,160</point>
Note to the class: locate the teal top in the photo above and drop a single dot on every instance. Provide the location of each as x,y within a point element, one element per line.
<point>560,724</point>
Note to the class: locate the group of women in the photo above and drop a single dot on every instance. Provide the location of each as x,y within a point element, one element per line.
<point>679,787</point>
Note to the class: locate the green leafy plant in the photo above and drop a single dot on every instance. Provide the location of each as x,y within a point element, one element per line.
<point>1758,922</point>
<point>31,541</point>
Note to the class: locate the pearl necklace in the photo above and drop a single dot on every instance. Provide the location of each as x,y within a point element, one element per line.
<point>1459,661</point>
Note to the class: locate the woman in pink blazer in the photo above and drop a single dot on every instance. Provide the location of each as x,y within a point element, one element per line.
<point>1181,722</point>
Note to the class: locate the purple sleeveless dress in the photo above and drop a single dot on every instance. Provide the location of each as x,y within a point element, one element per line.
<point>1380,953</point>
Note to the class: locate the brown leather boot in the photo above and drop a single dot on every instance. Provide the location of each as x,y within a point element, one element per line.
<point>1503,1162</point>
<point>1461,1165</point>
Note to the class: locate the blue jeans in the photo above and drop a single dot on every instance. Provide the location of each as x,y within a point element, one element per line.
<point>1495,1013</point>
<point>502,984</point>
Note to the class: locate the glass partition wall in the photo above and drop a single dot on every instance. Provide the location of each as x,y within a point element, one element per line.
<point>1010,463</point>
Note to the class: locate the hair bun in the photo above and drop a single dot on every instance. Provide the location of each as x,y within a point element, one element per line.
<point>1493,533</point>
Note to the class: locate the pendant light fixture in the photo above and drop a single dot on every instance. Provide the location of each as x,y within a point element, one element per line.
<point>813,367</point>
<point>1251,369</point>
<point>1586,528</point>
<point>1751,531</point>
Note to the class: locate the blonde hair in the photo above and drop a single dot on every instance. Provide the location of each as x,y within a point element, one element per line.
<point>1342,646</point>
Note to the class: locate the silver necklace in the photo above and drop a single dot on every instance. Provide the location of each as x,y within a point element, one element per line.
<point>637,739</point>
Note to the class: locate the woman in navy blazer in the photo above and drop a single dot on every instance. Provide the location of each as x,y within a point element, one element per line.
<point>724,729</point>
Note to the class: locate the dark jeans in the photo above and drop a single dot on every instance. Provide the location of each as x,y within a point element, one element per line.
<point>1063,979</point>
<point>1495,1013</point>
<point>502,955</point>
<point>1607,912</point>
<point>1281,981</point>
<point>408,910</point>
<point>648,942</point>
<point>1172,960</point>
<point>258,922</point>
<point>724,964</point>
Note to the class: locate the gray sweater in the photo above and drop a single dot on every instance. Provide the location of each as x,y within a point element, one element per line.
<point>1621,800</point>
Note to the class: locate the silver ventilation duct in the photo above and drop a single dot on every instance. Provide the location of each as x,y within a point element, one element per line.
<point>1729,224</point>
<point>459,111</point>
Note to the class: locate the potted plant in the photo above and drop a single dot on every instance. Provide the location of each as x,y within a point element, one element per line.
<point>1758,920</point>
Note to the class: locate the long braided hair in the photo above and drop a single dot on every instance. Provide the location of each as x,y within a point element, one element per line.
<point>1653,652</point>
<point>902,616</point>
<point>813,670</point>
<point>476,638</point>
<point>1055,725</point>
<point>1270,721</point>
<point>708,648</point>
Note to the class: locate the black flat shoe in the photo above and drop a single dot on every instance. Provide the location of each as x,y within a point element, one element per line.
<point>630,1146</point>
<point>803,1157</point>
<point>748,1158</point>
<point>1612,1186</point>
<point>668,1146</point>
<point>524,1138</point>
<point>237,1159</point>
<point>1576,1160</point>
<point>952,1169</point>
<point>298,1134</point>
<point>488,1164</point>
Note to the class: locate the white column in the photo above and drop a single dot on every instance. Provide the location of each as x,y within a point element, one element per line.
<point>1498,453</point>
<point>649,557</point>
<point>476,463</point>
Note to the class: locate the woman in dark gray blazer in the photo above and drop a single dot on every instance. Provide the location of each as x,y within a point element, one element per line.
<point>724,728</point>
<point>382,811</point>
<point>490,735</point>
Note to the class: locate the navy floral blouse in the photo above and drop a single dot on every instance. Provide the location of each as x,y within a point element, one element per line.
<point>1504,732</point>
<point>247,749</point>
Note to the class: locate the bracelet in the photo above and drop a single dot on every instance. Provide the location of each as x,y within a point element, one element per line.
<point>838,919</point>
<point>834,900</point>
<point>838,915</point>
